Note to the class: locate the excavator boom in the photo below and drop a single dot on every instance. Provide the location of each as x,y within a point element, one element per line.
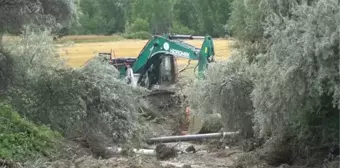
<point>161,49</point>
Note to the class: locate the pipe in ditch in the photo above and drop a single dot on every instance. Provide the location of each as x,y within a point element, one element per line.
<point>190,137</point>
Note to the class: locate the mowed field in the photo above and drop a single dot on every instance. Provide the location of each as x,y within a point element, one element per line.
<point>80,52</point>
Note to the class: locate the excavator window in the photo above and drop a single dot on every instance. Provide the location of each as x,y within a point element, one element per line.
<point>154,73</point>
<point>161,71</point>
<point>166,69</point>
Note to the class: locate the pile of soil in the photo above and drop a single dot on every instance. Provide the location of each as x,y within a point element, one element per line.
<point>168,113</point>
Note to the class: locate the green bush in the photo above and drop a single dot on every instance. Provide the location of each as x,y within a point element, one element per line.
<point>139,25</point>
<point>21,140</point>
<point>226,90</point>
<point>297,79</point>
<point>246,19</point>
<point>138,35</point>
<point>139,29</point>
<point>88,103</point>
<point>178,28</point>
<point>285,79</point>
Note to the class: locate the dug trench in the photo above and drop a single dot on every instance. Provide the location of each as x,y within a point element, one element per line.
<point>166,119</point>
<point>172,120</point>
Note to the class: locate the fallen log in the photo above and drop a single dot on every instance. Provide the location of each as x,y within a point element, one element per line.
<point>190,137</point>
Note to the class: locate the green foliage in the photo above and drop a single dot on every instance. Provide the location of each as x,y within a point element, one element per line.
<point>300,73</point>
<point>101,16</point>
<point>156,13</point>
<point>178,28</point>
<point>53,14</point>
<point>291,88</point>
<point>212,15</point>
<point>138,35</point>
<point>185,14</point>
<point>247,18</point>
<point>94,25</point>
<point>284,76</point>
<point>138,25</point>
<point>22,140</point>
<point>226,90</point>
<point>139,29</point>
<point>192,16</point>
<point>89,103</point>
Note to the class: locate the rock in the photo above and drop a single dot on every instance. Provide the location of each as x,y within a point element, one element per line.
<point>186,166</point>
<point>164,152</point>
<point>191,148</point>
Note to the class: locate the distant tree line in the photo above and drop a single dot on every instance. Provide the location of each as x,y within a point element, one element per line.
<point>151,16</point>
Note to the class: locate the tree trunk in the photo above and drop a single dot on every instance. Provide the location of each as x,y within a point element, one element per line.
<point>5,67</point>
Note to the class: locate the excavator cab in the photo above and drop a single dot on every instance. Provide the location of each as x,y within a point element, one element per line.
<point>162,72</point>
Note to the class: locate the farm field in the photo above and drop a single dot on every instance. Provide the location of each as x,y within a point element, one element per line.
<point>81,51</point>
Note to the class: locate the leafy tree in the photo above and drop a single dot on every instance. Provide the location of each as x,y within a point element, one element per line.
<point>178,28</point>
<point>185,14</point>
<point>212,16</point>
<point>247,18</point>
<point>300,73</point>
<point>103,16</point>
<point>200,16</point>
<point>113,12</point>
<point>138,25</point>
<point>52,14</point>
<point>89,103</point>
<point>284,75</point>
<point>157,13</point>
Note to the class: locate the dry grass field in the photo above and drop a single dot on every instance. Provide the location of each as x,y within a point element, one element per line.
<point>81,50</point>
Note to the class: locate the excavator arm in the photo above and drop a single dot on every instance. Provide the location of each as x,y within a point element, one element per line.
<point>171,45</point>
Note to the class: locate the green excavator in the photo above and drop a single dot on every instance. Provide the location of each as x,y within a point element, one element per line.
<point>156,67</point>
